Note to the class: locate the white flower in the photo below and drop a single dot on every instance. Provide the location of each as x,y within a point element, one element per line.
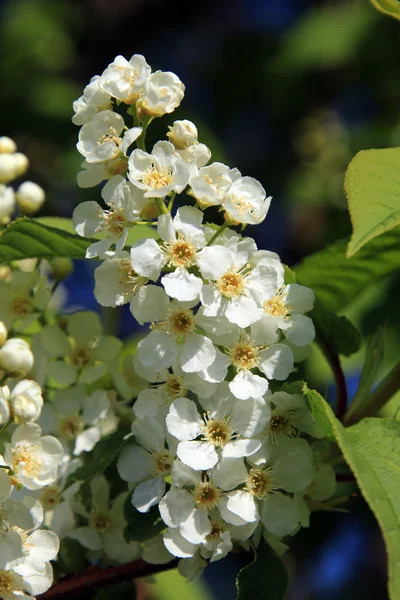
<point>197,156</point>
<point>80,352</point>
<point>158,173</point>
<point>21,164</point>
<point>289,416</point>
<point>183,238</point>
<point>22,298</point>
<point>95,173</point>
<point>30,197</point>
<point>33,459</point>
<point>126,204</point>
<point>182,134</point>
<point>7,145</point>
<point>4,407</point>
<point>246,202</point>
<point>3,333</point>
<point>106,522</point>
<point>235,289</point>
<point>76,417</point>
<point>210,184</point>
<point>16,357</point>
<point>124,79</point>
<point>146,465</point>
<point>286,309</point>
<point>228,429</point>
<point>174,337</point>
<point>100,140</point>
<point>161,94</point>
<point>7,168</point>
<point>26,401</point>
<point>93,100</point>
<point>116,281</point>
<point>7,203</point>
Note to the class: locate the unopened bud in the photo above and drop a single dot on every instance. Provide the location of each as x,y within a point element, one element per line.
<point>61,268</point>
<point>21,164</point>
<point>30,197</point>
<point>7,203</point>
<point>182,134</point>
<point>16,357</point>
<point>7,145</point>
<point>26,401</point>
<point>7,168</point>
<point>3,333</point>
<point>4,405</point>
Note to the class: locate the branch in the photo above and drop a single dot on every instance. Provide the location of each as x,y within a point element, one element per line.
<point>95,578</point>
<point>340,380</point>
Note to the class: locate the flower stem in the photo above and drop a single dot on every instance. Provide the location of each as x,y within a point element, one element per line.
<point>95,578</point>
<point>217,233</point>
<point>162,209</point>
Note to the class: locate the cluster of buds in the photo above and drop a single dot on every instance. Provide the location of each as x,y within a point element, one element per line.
<point>29,196</point>
<point>224,450</point>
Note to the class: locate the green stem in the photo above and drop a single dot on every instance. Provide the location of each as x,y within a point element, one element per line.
<point>385,390</point>
<point>217,233</point>
<point>162,209</point>
<point>171,201</point>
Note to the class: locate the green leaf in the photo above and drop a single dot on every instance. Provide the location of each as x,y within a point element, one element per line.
<point>373,361</point>
<point>50,237</point>
<point>337,280</point>
<point>372,186</point>
<point>372,450</point>
<point>266,578</point>
<point>391,8</point>
<point>338,332</point>
<point>99,458</point>
<point>141,526</point>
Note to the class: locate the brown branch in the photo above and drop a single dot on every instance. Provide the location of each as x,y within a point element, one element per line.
<point>338,374</point>
<point>95,578</point>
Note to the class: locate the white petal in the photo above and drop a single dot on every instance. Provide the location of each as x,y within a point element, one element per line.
<point>264,332</point>
<point>87,217</point>
<point>148,402</point>
<point>183,475</point>
<point>246,385</point>
<point>300,298</point>
<point>239,448</point>
<point>299,330</point>
<point>182,285</point>
<point>214,261</point>
<point>88,537</point>
<point>218,370</point>
<point>147,258</point>
<point>183,420</point>
<point>197,455</point>
<point>86,441</point>
<point>196,527</point>
<point>176,506</point>
<point>251,417</point>
<point>157,349</point>
<point>276,362</point>
<point>293,464</point>
<point>280,515</point>
<point>134,464</point>
<point>229,473</point>
<point>165,228</point>
<point>243,311</point>
<point>148,493</point>
<point>243,505</point>
<point>210,298</point>
<point>150,304</point>
<point>198,353</point>
<point>177,545</point>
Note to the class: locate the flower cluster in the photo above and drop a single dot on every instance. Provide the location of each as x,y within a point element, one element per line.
<point>221,447</point>
<point>29,196</point>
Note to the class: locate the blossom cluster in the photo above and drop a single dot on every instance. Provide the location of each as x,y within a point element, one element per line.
<point>221,447</point>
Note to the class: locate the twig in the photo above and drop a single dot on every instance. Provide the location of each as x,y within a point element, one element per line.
<point>95,578</point>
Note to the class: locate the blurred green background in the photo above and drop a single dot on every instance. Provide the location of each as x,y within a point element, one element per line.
<point>287,91</point>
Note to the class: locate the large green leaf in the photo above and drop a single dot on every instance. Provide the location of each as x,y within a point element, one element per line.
<point>338,332</point>
<point>141,526</point>
<point>338,280</point>
<point>372,450</point>
<point>372,186</point>
<point>50,237</point>
<point>266,578</point>
<point>388,7</point>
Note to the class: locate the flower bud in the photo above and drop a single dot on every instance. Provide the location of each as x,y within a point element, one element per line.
<point>7,203</point>
<point>61,268</point>
<point>7,168</point>
<point>7,145</point>
<point>16,357</point>
<point>21,164</point>
<point>182,134</point>
<point>3,333</point>
<point>4,405</point>
<point>162,93</point>
<point>26,401</point>
<point>30,197</point>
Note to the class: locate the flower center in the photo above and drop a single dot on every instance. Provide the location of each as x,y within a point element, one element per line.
<point>279,423</point>
<point>206,495</point>
<point>231,284</point>
<point>81,357</point>
<point>276,307</point>
<point>174,386</point>
<point>70,427</point>
<point>21,307</point>
<point>100,522</point>
<point>129,280</point>
<point>244,355</point>
<point>26,460</point>
<point>218,432</point>
<point>50,497</point>
<point>181,322</point>
<point>216,530</point>
<point>157,179</point>
<point>163,462</point>
<point>8,583</point>
<point>181,253</point>
<point>111,136</point>
<point>130,75</point>
<point>115,222</point>
<point>259,482</point>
